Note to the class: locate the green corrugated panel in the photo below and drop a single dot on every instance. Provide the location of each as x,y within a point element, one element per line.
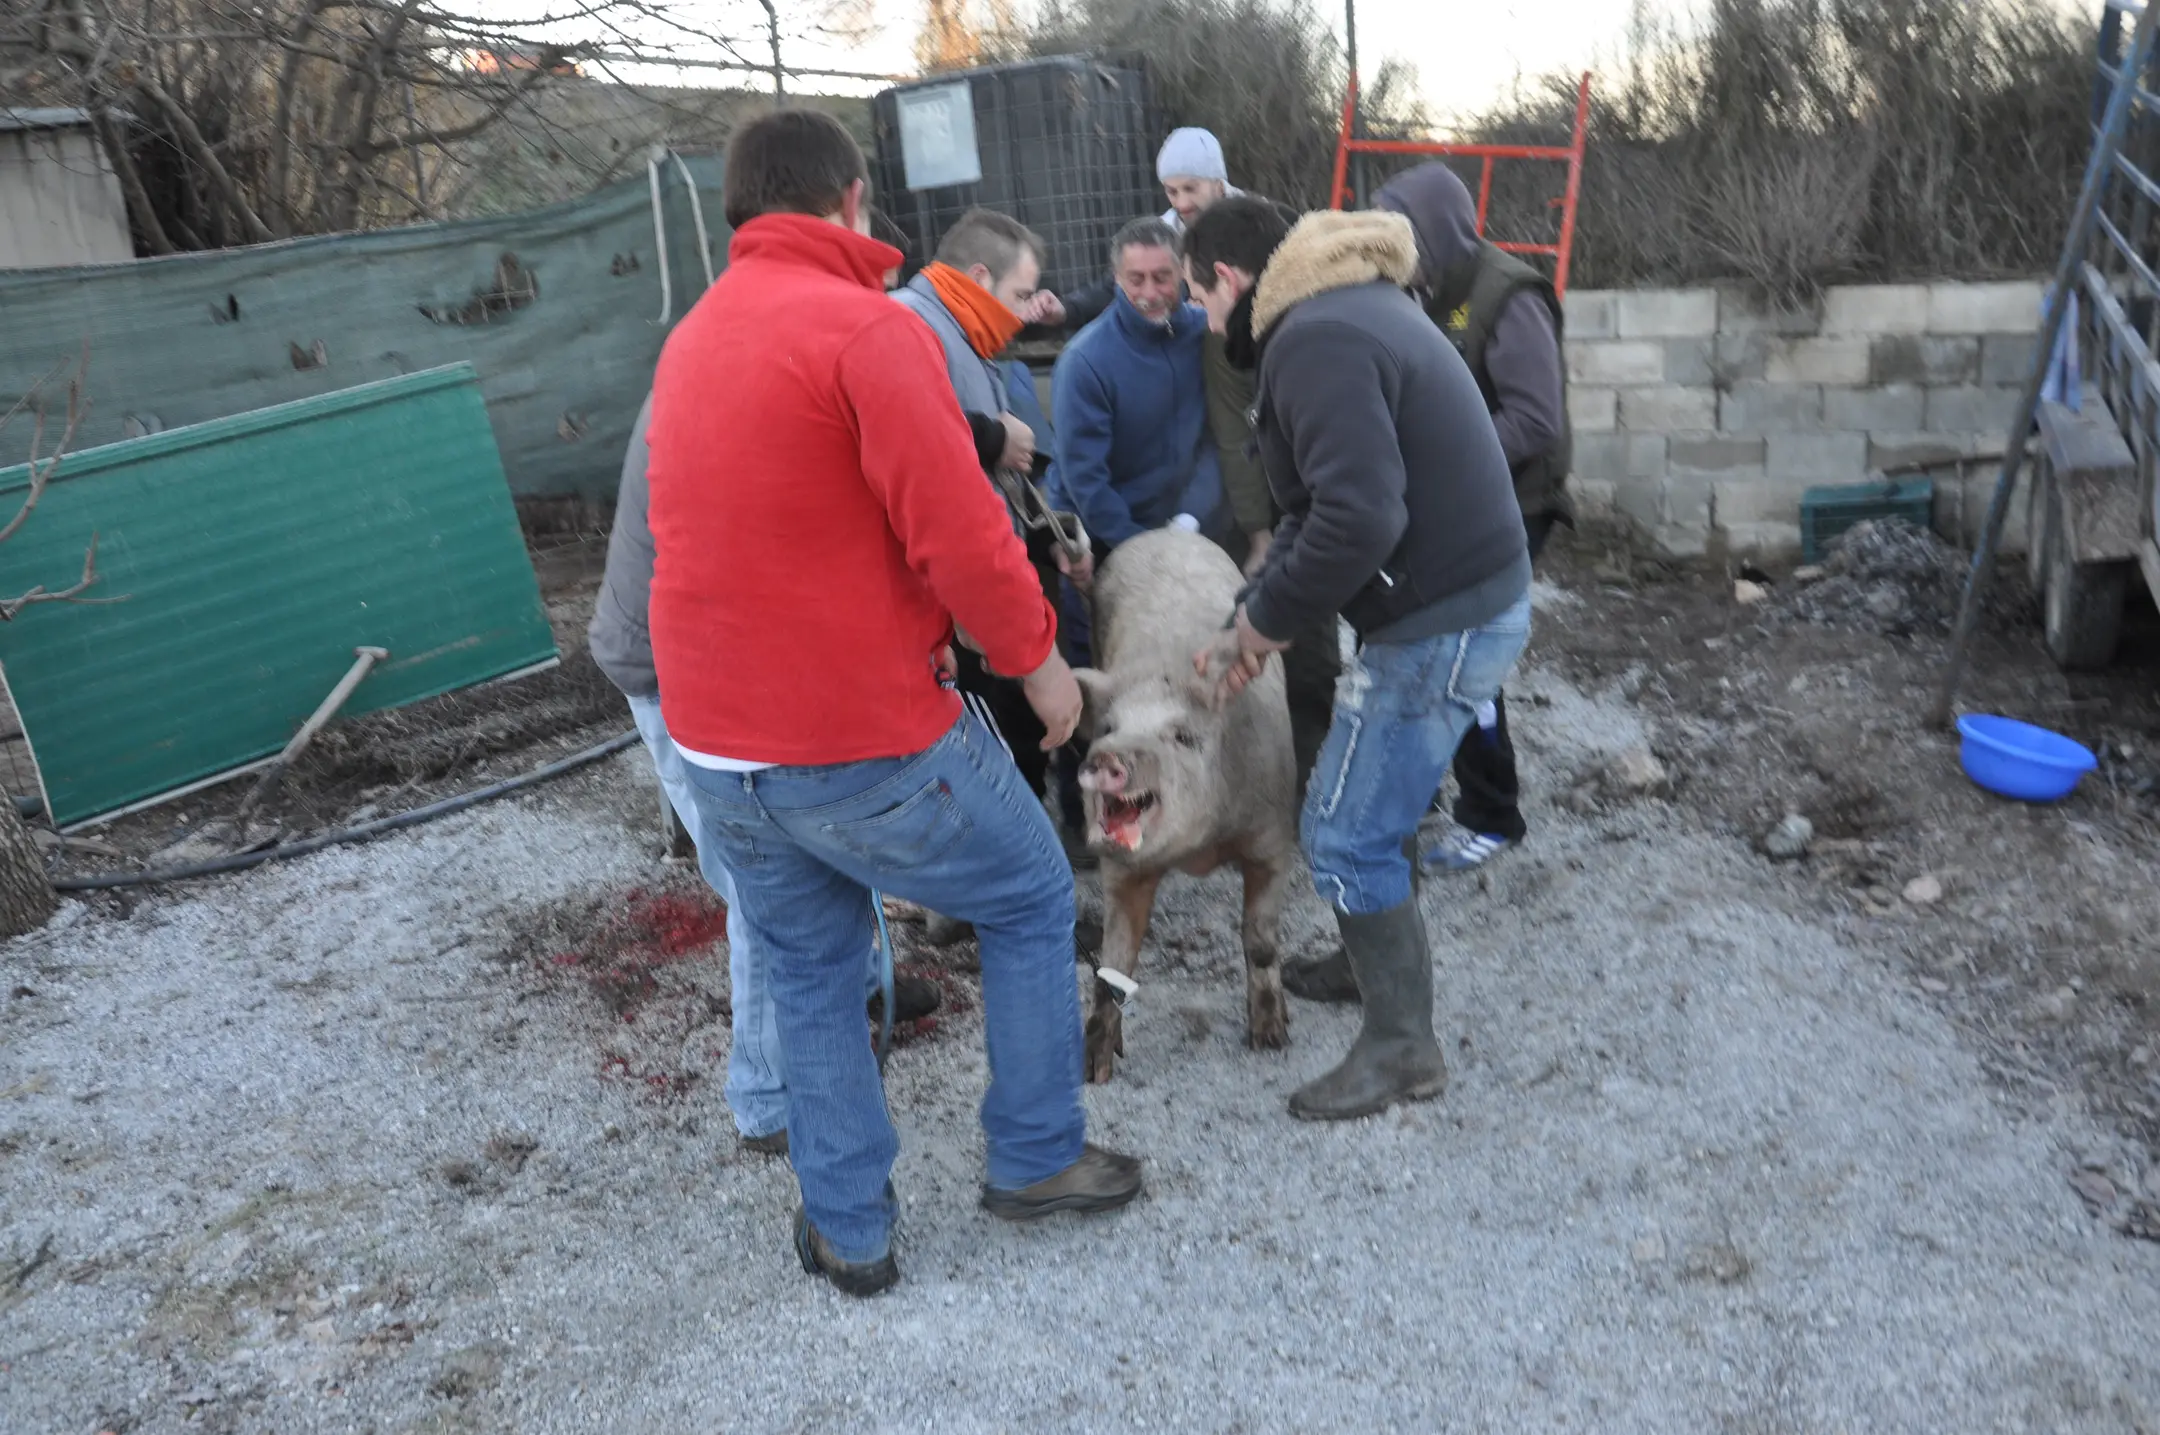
<point>255,553</point>
<point>194,337</point>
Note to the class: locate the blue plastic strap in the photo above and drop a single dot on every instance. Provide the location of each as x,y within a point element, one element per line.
<point>885,978</point>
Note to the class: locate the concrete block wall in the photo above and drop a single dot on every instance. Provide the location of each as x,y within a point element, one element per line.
<point>1702,417</point>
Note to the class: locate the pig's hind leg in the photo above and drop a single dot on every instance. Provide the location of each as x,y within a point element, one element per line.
<point>1267,1011</point>
<point>1128,903</point>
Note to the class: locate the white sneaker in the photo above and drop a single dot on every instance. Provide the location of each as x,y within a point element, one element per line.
<point>1472,849</point>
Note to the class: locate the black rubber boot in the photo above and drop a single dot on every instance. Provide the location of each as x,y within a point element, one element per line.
<point>1330,979</point>
<point>1396,1057</point>
<point>913,999</point>
<point>940,930</point>
<point>1327,980</point>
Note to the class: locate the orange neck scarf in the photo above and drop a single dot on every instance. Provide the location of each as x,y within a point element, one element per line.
<point>988,324</point>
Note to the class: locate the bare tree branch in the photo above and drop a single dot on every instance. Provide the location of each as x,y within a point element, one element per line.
<point>42,467</point>
<point>281,118</point>
<point>40,475</point>
<point>353,115</point>
<point>184,125</point>
<point>258,119</point>
<point>455,133</point>
<point>140,209</point>
<point>31,394</point>
<point>9,607</point>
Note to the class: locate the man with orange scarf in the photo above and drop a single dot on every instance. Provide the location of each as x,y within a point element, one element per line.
<point>976,296</point>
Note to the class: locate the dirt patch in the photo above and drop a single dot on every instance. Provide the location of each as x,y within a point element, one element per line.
<point>2032,925</point>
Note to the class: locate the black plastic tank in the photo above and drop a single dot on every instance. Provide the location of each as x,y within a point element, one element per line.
<point>1063,145</point>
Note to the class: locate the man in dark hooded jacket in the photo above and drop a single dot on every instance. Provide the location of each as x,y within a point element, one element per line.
<point>1397,514</point>
<point>1504,317</point>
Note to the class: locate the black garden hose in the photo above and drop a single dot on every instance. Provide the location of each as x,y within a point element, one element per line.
<point>241,861</point>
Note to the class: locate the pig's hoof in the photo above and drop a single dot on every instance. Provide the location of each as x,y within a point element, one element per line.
<point>1104,1045</point>
<point>1267,1020</point>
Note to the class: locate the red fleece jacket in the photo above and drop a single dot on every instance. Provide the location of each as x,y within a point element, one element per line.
<point>819,515</point>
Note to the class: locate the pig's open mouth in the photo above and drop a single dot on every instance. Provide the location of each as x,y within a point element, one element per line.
<point>1121,815</point>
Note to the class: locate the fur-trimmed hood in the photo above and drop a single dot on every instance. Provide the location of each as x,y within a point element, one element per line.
<point>1334,250</point>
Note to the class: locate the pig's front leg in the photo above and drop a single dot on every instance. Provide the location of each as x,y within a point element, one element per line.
<point>1267,1011</point>
<point>1128,901</point>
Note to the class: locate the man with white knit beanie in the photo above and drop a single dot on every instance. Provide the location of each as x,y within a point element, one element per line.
<point>1190,166</point>
<point>1193,175</point>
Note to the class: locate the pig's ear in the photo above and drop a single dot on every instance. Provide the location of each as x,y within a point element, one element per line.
<point>1096,691</point>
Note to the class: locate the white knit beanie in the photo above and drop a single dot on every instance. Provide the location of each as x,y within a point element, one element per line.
<point>1192,154</point>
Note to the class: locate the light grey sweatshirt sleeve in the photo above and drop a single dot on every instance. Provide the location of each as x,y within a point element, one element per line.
<point>620,640</point>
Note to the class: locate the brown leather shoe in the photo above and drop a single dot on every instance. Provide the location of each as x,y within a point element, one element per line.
<point>1099,1181</point>
<point>772,1143</point>
<point>856,1278</point>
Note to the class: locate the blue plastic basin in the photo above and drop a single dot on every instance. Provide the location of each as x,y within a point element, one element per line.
<point>2019,760</point>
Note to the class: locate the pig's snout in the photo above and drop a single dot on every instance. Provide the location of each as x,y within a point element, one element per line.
<point>1104,773</point>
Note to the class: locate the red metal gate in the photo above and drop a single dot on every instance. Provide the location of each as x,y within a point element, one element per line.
<point>1571,155</point>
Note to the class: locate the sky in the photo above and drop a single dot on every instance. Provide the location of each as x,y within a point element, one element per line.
<point>1467,52</point>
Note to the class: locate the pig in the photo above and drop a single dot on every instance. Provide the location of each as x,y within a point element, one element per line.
<point>1176,776</point>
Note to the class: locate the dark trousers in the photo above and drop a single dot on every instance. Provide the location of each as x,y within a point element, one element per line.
<point>1003,703</point>
<point>1311,664</point>
<point>1488,792</point>
<point>1076,641</point>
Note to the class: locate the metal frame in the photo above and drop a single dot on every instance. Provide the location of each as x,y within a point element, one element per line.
<point>1571,155</point>
<point>2108,325</point>
<point>2113,270</point>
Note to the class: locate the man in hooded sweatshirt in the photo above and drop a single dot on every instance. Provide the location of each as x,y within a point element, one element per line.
<point>1397,513</point>
<point>1504,318</point>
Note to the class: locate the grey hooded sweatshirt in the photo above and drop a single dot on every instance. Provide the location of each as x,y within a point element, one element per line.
<point>620,637</point>
<point>1521,363</point>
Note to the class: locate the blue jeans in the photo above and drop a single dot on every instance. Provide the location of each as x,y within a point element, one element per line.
<point>1401,710</point>
<point>954,829</point>
<point>756,1093</point>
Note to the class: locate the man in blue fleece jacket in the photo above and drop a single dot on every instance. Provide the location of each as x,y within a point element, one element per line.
<point>1133,447</point>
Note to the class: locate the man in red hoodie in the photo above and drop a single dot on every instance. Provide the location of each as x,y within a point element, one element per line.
<point>821,525</point>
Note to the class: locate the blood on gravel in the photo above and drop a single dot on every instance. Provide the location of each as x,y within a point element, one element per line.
<point>658,1085</point>
<point>679,923</point>
<point>642,932</point>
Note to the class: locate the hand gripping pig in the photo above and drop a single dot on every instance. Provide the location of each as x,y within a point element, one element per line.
<point>1177,777</point>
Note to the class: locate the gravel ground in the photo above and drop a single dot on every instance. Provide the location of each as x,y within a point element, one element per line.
<point>306,1150</point>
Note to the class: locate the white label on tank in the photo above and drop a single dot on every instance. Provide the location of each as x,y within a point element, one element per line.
<point>937,136</point>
